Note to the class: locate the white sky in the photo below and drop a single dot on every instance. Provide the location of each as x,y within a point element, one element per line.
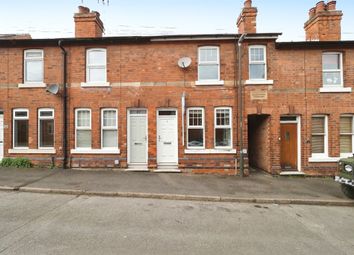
<point>54,18</point>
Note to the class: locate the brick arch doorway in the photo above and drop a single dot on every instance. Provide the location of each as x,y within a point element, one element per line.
<point>259,141</point>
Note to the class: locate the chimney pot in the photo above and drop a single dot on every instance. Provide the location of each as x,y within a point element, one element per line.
<point>248,3</point>
<point>83,9</point>
<point>331,5</point>
<point>320,6</point>
<point>312,12</point>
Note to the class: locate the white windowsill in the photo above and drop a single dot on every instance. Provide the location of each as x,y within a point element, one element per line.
<point>95,84</point>
<point>32,151</point>
<point>209,83</point>
<point>259,82</point>
<point>323,159</point>
<point>338,89</point>
<point>95,151</point>
<point>346,155</point>
<point>32,85</point>
<point>210,151</point>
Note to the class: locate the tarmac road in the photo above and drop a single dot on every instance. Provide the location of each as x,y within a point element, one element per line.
<point>64,224</point>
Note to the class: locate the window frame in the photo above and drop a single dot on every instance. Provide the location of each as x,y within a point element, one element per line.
<point>110,128</point>
<point>95,66</point>
<point>325,153</point>
<point>196,127</point>
<point>89,128</point>
<point>14,118</point>
<point>223,127</point>
<point>39,126</point>
<point>209,63</point>
<point>250,62</point>
<point>333,70</point>
<point>32,59</point>
<point>347,154</point>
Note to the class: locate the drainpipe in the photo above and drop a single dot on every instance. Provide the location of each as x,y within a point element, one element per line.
<point>240,101</point>
<point>65,113</point>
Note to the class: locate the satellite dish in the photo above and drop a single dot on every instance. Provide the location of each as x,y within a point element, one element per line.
<point>53,89</point>
<point>184,62</point>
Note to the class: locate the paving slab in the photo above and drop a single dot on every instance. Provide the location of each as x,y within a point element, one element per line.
<point>12,178</point>
<point>180,186</point>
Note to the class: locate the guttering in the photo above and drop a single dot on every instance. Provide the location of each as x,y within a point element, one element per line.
<point>313,45</point>
<point>64,98</point>
<point>240,102</point>
<point>176,39</point>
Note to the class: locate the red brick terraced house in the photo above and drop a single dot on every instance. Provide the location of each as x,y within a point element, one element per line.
<point>193,103</point>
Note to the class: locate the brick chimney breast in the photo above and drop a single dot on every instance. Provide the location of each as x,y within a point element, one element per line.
<point>88,24</point>
<point>324,22</point>
<point>247,21</point>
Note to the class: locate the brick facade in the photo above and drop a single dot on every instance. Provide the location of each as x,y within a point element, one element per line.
<point>143,73</point>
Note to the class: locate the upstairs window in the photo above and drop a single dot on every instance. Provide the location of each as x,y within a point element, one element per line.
<point>96,66</point>
<point>46,128</point>
<point>346,134</point>
<point>195,128</point>
<point>332,69</point>
<point>223,127</point>
<point>319,141</point>
<point>257,63</point>
<point>33,66</point>
<point>83,128</point>
<point>208,64</point>
<point>109,135</point>
<point>20,128</point>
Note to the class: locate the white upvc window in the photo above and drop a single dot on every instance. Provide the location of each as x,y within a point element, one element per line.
<point>20,128</point>
<point>109,128</point>
<point>96,66</point>
<point>45,128</point>
<point>346,135</point>
<point>319,136</point>
<point>82,128</point>
<point>195,128</point>
<point>209,64</point>
<point>257,63</point>
<point>33,66</point>
<point>332,69</point>
<point>223,128</point>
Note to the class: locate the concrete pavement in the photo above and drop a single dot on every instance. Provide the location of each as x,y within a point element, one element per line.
<point>65,224</point>
<point>259,187</point>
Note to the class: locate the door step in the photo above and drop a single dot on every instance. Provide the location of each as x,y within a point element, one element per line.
<point>137,168</point>
<point>289,173</point>
<point>167,169</point>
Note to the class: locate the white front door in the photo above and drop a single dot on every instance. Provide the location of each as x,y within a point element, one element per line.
<point>167,137</point>
<point>137,136</point>
<point>1,136</point>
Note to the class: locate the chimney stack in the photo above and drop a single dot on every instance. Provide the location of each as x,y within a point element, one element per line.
<point>88,24</point>
<point>247,21</point>
<point>324,22</point>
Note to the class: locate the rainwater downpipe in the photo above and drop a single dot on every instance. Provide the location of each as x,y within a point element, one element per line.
<point>240,102</point>
<point>64,98</point>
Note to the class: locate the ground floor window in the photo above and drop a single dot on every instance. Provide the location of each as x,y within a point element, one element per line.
<point>346,134</point>
<point>319,137</point>
<point>20,128</point>
<point>223,127</point>
<point>109,128</point>
<point>195,128</point>
<point>46,128</point>
<point>83,128</point>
